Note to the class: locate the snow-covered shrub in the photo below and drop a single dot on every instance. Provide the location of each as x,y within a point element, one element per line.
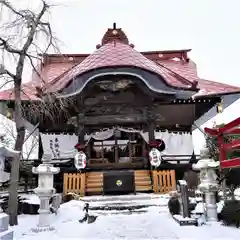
<point>174,205</point>
<point>230,214</point>
<point>237,193</point>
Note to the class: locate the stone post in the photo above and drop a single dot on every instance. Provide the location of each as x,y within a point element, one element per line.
<point>184,201</point>
<point>5,233</point>
<point>208,183</point>
<point>45,191</point>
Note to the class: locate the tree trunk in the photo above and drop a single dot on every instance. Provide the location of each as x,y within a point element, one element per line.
<point>13,194</point>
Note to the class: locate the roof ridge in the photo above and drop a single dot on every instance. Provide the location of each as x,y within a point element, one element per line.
<point>181,78</point>
<point>56,78</point>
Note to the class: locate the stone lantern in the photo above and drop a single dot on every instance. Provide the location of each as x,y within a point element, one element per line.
<point>208,183</point>
<point>45,191</point>
<point>5,233</point>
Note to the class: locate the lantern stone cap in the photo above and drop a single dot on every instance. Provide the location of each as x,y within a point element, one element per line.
<point>45,168</point>
<point>207,185</point>
<point>205,163</point>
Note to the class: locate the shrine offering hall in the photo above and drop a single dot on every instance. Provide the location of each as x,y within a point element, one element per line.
<point>120,120</point>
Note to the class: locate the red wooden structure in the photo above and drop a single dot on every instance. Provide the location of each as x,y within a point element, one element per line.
<point>231,128</point>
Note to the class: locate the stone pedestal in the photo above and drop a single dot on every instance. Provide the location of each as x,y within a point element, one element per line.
<point>44,191</point>
<point>208,184</point>
<point>5,233</point>
<point>211,206</point>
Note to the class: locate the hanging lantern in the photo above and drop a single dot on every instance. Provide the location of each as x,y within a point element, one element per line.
<point>219,107</point>
<point>80,160</point>
<point>159,144</point>
<point>79,147</point>
<point>155,157</point>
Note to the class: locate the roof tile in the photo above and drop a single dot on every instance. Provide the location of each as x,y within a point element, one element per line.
<point>56,74</point>
<point>116,54</point>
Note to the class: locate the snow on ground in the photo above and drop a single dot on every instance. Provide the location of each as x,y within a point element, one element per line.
<point>152,222</point>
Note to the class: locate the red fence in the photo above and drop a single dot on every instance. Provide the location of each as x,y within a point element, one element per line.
<point>232,128</point>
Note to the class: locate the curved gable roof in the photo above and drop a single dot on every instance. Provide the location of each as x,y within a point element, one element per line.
<point>59,70</point>
<point>117,54</point>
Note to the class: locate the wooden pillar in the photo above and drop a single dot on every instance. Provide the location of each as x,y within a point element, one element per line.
<point>130,147</point>
<point>80,128</point>
<point>89,148</point>
<point>151,126</point>
<point>144,148</point>
<point>102,152</point>
<point>116,149</point>
<point>151,123</point>
<point>151,129</point>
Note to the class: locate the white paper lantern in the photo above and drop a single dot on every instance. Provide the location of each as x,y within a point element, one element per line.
<point>80,160</point>
<point>155,157</point>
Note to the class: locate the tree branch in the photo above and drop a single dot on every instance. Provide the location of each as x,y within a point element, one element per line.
<point>34,68</point>
<point>7,47</point>
<point>7,82</point>
<point>10,7</point>
<point>4,71</point>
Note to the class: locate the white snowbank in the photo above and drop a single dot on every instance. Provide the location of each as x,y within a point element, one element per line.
<point>31,199</point>
<point>199,209</point>
<point>156,223</point>
<point>237,193</point>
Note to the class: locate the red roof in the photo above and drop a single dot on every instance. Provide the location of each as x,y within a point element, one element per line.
<point>173,66</point>
<point>114,54</point>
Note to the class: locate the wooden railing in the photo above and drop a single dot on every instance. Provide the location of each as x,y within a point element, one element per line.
<point>74,183</point>
<point>163,181</point>
<point>79,183</point>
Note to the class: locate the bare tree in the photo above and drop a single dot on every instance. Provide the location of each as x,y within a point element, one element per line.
<point>21,38</point>
<point>30,146</point>
<point>29,152</point>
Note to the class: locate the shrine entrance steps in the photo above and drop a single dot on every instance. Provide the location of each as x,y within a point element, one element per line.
<point>143,182</point>
<point>119,182</point>
<point>94,183</point>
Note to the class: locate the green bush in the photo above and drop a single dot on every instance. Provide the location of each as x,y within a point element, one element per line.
<point>230,214</point>
<point>174,206</point>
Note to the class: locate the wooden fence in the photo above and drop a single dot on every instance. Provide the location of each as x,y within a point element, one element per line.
<point>74,183</point>
<point>163,181</point>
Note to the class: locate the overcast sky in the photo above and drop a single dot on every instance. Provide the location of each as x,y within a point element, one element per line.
<point>210,27</point>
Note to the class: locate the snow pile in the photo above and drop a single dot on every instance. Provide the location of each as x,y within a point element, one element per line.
<point>237,193</point>
<point>31,199</point>
<point>199,209</point>
<point>155,223</point>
